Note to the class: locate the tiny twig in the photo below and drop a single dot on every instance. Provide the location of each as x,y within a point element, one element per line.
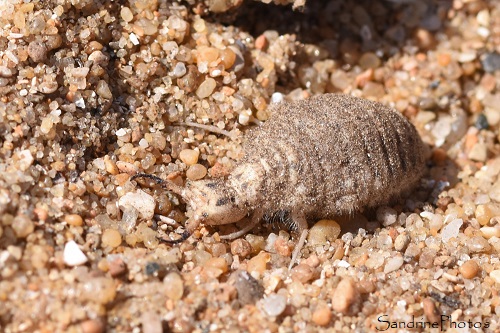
<point>209,128</point>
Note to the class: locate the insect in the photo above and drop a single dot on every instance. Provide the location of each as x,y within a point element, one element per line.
<point>325,156</point>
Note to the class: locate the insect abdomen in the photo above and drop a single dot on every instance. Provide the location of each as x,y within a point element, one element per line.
<point>335,154</point>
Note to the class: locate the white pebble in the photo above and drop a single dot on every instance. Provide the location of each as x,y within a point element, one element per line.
<point>80,102</point>
<point>206,88</point>
<point>393,264</point>
<point>80,71</point>
<point>179,69</point>
<point>140,200</point>
<point>387,216</point>
<point>277,97</point>
<point>343,264</point>
<point>151,322</point>
<point>274,304</point>
<point>143,143</point>
<point>25,159</point>
<point>467,56</point>
<point>495,275</point>
<point>121,132</point>
<point>483,18</point>
<point>495,192</point>
<point>244,117</point>
<point>133,38</point>
<point>451,230</point>
<point>72,254</point>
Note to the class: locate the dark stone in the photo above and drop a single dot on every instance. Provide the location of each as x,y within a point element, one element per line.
<point>249,289</point>
<point>491,62</point>
<point>481,122</point>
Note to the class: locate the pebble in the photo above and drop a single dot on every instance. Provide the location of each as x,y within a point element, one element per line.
<point>322,232</point>
<point>174,286</point>
<point>258,243</point>
<point>72,255</point>
<point>189,156</point>
<point>110,166</point>
<point>228,57</point>
<point>101,290</point>
<point>386,215</point>
<point>200,257</point>
<point>207,54</point>
<point>483,214</point>
<point>190,81</point>
<point>303,273</point>
<point>494,192</point>
<point>117,267</point>
<point>322,315</point>
<point>22,226</point>
<point>206,88</point>
<point>74,220</point>
<point>481,122</point>
<point>126,167</point>
<point>25,159</point>
<point>369,60</point>
<point>466,56</point>
<point>126,14</point>
<point>373,89</point>
<point>259,262</point>
<point>249,289</point>
<point>490,232</point>
<point>283,247</point>
<point>479,152</point>
<point>241,247</point>
<point>151,322</point>
<point>180,69</point>
<point>469,269</point>
<point>393,264</point>
<point>430,310</point>
<point>401,242</point>
<point>344,296</point>
<point>219,263</point>
<point>37,51</point>
<point>451,230</point>
<point>141,201</point>
<point>427,257</point>
<point>103,90</point>
<point>93,326</point>
<point>495,275</point>
<point>196,172</point>
<point>477,244</point>
<point>129,218</point>
<point>111,238</point>
<point>218,249</point>
<point>491,62</point>
<point>274,304</point>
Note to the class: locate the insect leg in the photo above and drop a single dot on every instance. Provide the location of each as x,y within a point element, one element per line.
<point>256,217</point>
<point>300,221</point>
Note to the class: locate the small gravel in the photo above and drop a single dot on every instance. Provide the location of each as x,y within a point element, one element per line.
<point>469,269</point>
<point>345,295</point>
<point>72,254</point>
<point>274,304</point>
<point>141,201</point>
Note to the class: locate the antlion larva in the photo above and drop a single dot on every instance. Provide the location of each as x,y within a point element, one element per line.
<point>325,156</point>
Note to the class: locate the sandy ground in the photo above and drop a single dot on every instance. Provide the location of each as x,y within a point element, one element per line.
<point>92,92</point>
